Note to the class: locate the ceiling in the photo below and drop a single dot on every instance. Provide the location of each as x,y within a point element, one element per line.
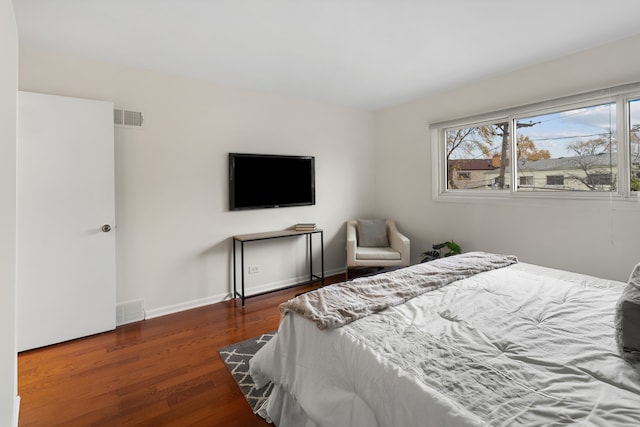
<point>368,54</point>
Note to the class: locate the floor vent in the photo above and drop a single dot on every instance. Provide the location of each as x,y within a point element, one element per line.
<point>131,311</point>
<point>126,118</point>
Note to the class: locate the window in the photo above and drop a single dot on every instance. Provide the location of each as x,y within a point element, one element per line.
<point>579,142</point>
<point>555,180</point>
<point>477,151</point>
<point>634,142</point>
<point>600,179</point>
<point>525,181</point>
<point>568,147</point>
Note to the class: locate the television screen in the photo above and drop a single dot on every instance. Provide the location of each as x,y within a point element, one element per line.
<point>269,181</point>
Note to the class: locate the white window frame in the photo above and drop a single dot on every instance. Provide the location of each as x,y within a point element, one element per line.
<point>620,95</point>
<point>439,160</point>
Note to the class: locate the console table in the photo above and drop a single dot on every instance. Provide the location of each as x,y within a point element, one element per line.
<point>246,238</point>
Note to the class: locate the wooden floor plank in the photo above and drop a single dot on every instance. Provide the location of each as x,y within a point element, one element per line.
<point>159,372</point>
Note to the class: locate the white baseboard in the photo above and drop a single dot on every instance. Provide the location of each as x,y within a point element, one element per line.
<point>16,410</point>
<point>187,305</point>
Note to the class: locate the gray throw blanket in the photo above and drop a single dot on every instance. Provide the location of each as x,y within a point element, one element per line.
<point>342,303</point>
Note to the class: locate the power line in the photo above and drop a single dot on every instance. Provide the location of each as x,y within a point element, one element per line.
<point>571,137</point>
<point>560,115</point>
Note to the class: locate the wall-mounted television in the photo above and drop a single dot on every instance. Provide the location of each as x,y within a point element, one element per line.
<point>258,181</point>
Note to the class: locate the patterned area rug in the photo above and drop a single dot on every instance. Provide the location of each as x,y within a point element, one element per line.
<point>236,357</point>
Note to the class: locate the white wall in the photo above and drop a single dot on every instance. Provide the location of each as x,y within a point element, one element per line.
<point>8,88</point>
<point>173,222</point>
<point>602,239</point>
<point>173,225</point>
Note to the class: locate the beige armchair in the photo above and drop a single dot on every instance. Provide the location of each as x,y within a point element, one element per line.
<point>376,243</point>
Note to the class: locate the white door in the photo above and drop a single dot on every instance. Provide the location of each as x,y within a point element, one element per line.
<point>66,194</point>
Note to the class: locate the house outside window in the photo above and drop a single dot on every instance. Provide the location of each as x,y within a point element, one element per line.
<point>469,174</point>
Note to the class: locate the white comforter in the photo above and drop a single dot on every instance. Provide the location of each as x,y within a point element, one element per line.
<point>522,345</point>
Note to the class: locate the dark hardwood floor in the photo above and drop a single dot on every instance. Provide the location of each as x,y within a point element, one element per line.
<point>159,372</point>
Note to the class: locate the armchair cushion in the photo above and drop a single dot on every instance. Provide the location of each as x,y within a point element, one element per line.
<point>372,233</point>
<point>377,253</point>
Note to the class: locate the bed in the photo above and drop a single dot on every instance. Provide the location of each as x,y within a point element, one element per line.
<point>513,344</point>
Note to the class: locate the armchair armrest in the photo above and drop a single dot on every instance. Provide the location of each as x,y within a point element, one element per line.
<point>352,243</point>
<point>399,242</point>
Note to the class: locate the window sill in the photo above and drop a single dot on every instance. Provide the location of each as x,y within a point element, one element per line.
<point>506,197</point>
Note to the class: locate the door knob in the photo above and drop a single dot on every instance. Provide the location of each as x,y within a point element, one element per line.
<point>106,228</point>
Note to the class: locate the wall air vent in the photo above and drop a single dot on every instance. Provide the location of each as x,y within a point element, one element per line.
<point>126,118</point>
<point>128,312</point>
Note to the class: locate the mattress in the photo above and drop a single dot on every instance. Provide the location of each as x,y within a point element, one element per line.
<point>519,345</point>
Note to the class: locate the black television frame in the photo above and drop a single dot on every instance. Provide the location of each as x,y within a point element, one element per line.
<point>236,184</point>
